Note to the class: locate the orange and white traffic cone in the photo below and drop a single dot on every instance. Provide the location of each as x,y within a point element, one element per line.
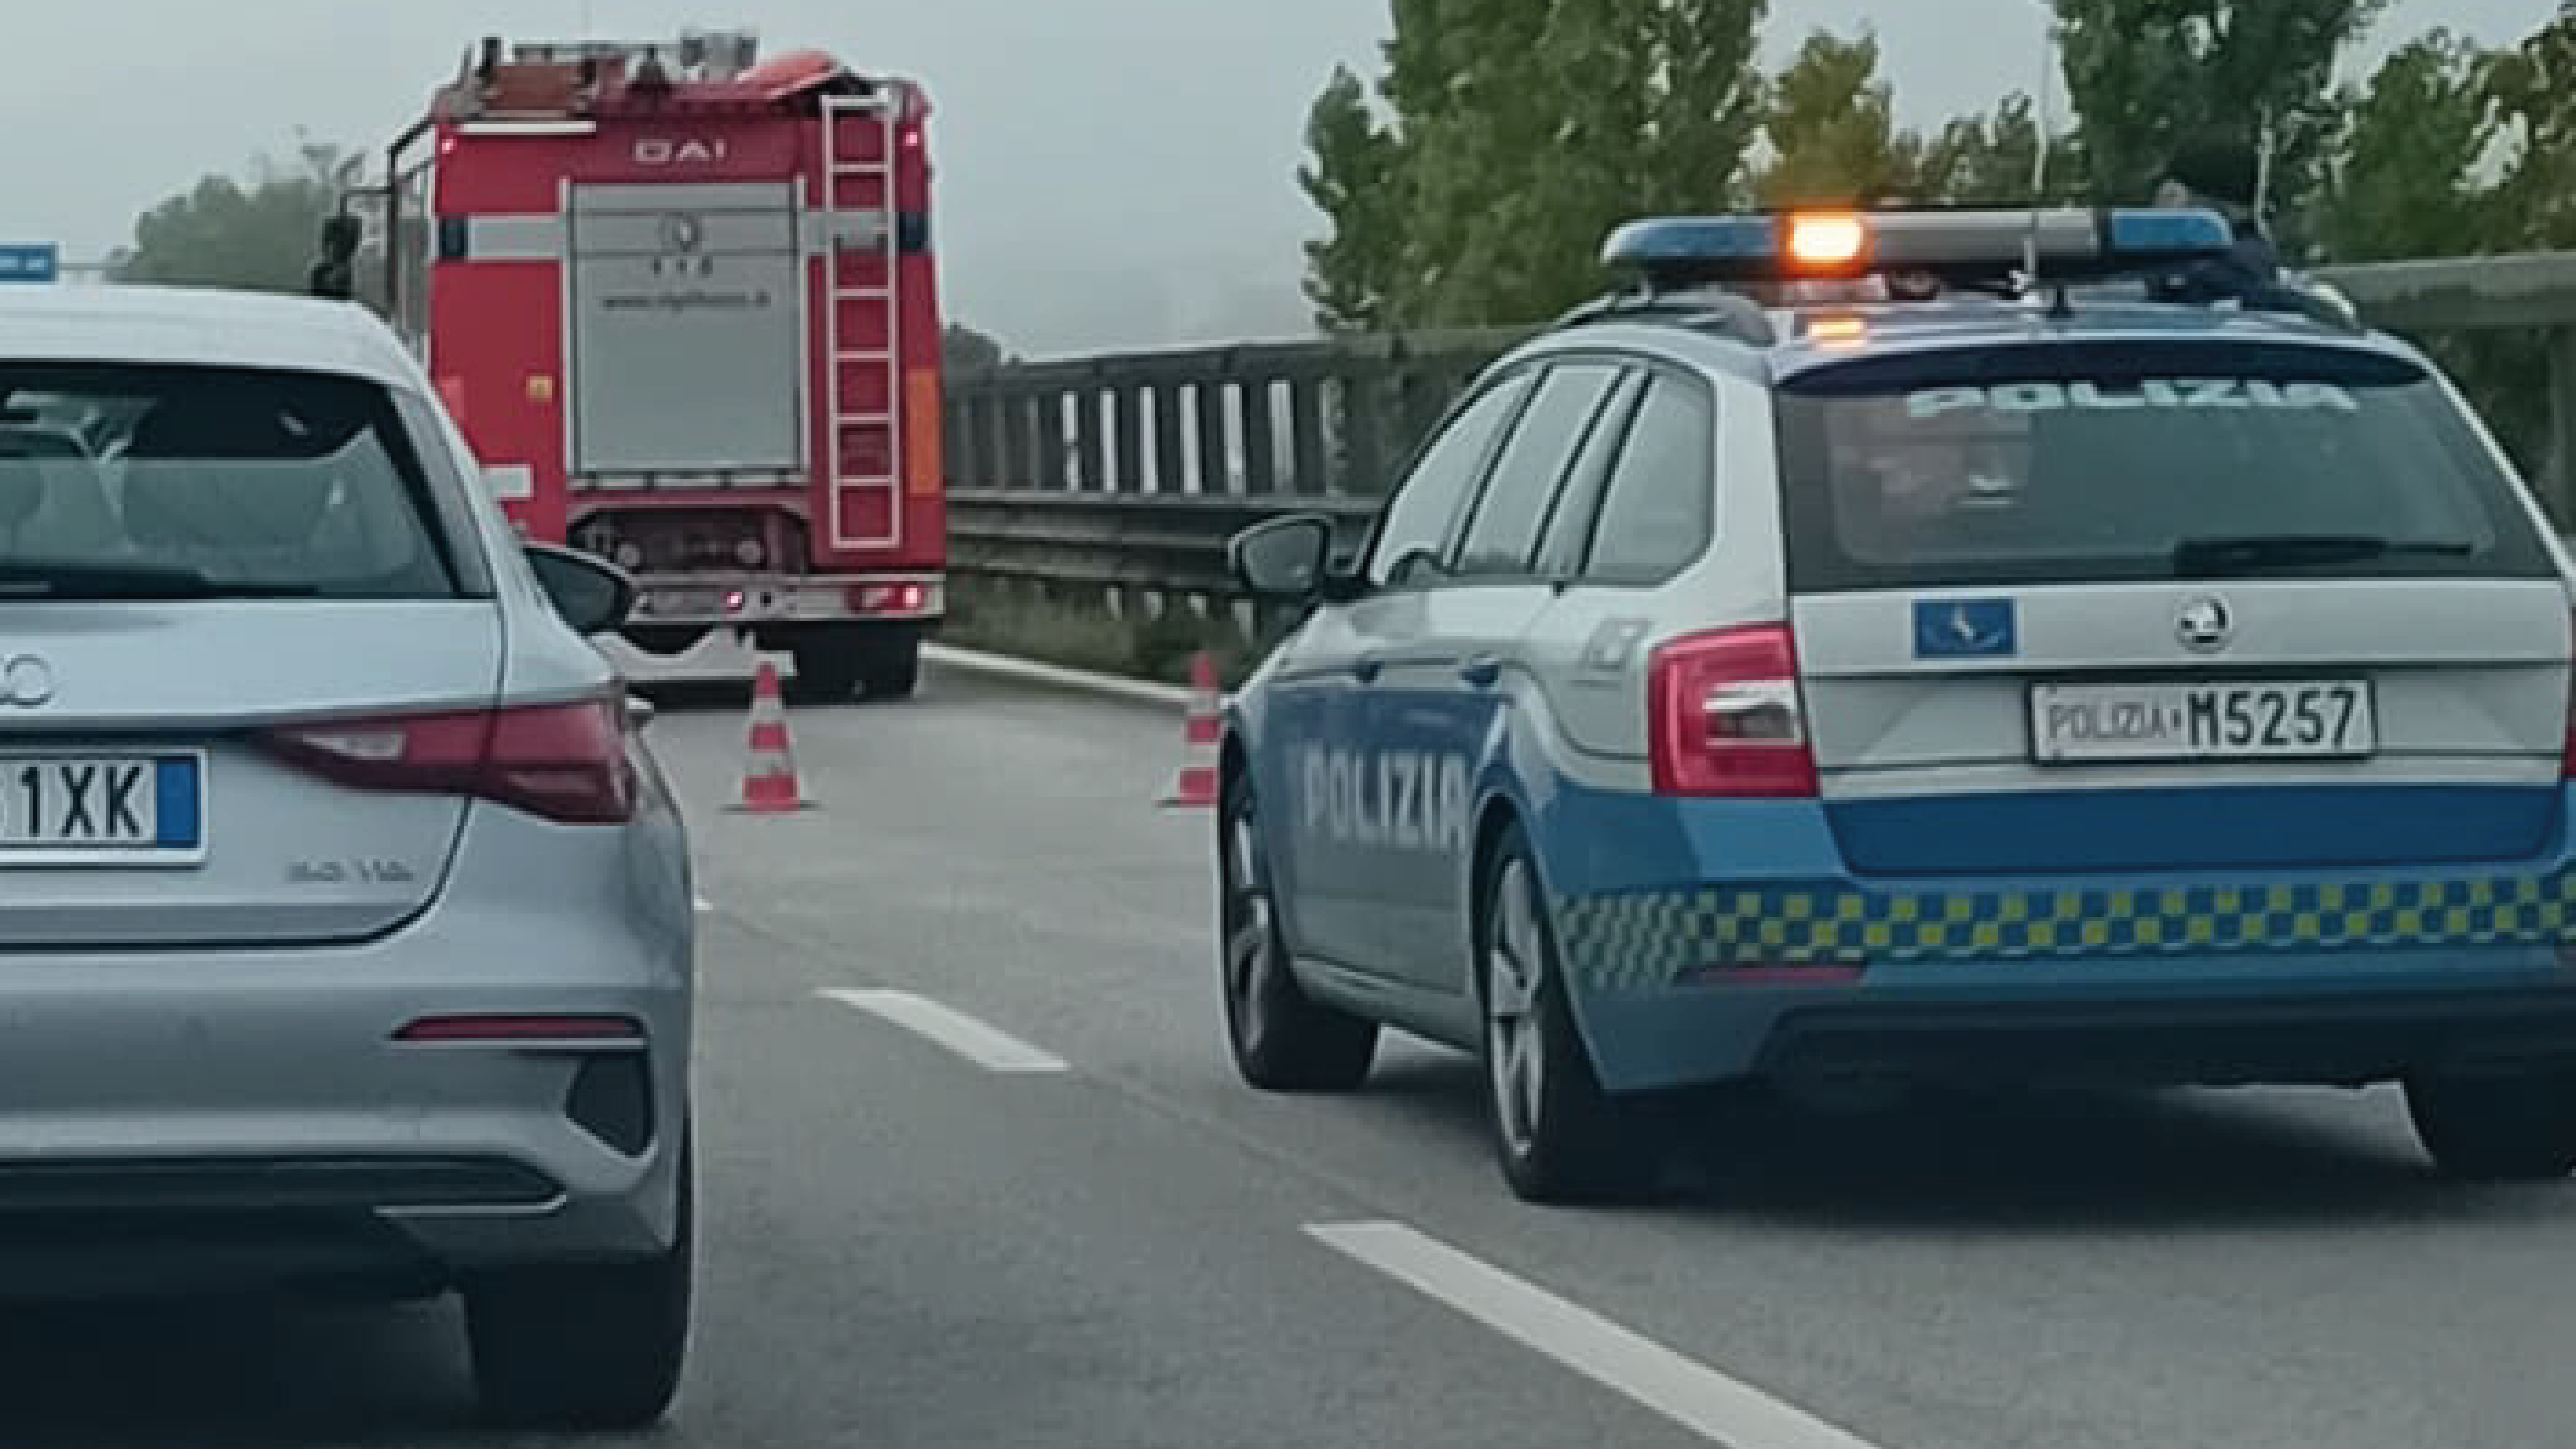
<point>1195,787</point>
<point>769,784</point>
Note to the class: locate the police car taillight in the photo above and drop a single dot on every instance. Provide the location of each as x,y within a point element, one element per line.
<point>1724,716</point>
<point>2567,747</point>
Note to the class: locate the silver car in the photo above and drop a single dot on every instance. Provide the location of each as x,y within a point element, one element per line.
<point>346,936</point>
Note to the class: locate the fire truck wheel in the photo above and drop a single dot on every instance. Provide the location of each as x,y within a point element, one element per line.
<point>891,668</point>
<point>826,673</point>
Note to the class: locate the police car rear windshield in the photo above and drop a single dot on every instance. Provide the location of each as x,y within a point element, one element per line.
<point>2069,462</point>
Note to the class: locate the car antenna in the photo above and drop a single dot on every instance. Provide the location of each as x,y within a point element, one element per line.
<point>2043,124</point>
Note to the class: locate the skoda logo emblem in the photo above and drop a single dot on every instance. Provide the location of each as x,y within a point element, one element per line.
<point>2204,625</point>
<point>681,233</point>
<point>26,681</point>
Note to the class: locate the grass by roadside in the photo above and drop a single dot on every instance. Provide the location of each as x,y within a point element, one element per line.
<point>1086,637</point>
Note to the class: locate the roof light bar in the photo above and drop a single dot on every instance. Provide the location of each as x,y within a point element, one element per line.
<point>1960,247</point>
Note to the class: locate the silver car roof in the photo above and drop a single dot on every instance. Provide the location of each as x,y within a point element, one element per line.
<point>199,327</point>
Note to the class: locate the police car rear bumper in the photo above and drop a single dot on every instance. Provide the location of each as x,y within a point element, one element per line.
<point>2326,1020</point>
<point>1706,942</point>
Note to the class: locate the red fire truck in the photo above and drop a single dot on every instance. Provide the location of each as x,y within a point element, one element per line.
<point>682,303</point>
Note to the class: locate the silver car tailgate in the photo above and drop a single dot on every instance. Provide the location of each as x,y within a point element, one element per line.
<point>191,829</point>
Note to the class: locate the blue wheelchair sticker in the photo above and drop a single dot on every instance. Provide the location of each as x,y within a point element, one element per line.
<point>1965,629</point>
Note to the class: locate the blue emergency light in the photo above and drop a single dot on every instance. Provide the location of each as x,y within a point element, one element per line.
<point>1960,248</point>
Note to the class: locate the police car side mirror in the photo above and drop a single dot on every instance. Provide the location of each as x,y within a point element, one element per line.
<point>593,595</point>
<point>1283,558</point>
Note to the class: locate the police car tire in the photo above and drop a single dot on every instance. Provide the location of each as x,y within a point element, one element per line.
<point>593,1348</point>
<point>1586,1148</point>
<point>2497,1129</point>
<point>1304,1046</point>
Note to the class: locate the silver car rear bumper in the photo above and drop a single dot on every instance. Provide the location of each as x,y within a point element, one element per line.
<point>176,1106</point>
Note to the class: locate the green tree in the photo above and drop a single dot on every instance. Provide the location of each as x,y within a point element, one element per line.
<point>1831,125</point>
<point>1702,118</point>
<point>1990,160</point>
<point>2407,183</point>
<point>260,234</point>
<point>2531,205</point>
<point>2534,87</point>
<point>1517,132</point>
<point>1354,271</point>
<point>2142,73</point>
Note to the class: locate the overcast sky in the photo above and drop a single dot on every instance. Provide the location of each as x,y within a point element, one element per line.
<point>1113,172</point>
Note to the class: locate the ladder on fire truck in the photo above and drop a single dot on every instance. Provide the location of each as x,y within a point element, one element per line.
<point>863,322</point>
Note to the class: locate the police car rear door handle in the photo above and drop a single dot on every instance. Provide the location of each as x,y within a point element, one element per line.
<point>1483,671</point>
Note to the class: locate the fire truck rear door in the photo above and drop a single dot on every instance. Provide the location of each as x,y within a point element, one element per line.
<point>686,324</point>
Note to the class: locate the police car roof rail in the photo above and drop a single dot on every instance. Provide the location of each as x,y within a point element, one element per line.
<point>1708,309</point>
<point>2291,295</point>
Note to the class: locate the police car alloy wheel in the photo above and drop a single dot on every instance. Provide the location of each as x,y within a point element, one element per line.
<point>1559,1137</point>
<point>2517,1128</point>
<point>1282,1040</point>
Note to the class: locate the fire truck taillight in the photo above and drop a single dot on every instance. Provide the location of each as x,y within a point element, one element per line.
<point>889,598</point>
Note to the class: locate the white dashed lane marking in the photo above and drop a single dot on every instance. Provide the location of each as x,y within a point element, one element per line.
<point>985,1046</point>
<point>1720,1409</point>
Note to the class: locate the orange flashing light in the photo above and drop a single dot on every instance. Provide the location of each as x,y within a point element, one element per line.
<point>1839,331</point>
<point>1826,241</point>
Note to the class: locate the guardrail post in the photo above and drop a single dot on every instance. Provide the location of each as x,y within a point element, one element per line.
<point>1260,435</point>
<point>958,443</point>
<point>1011,407</point>
<point>1089,454</point>
<point>1127,434</point>
<point>985,427</point>
<point>1046,417</point>
<point>1215,470</point>
<point>1362,460</point>
<point>1310,468</point>
<point>1169,473</point>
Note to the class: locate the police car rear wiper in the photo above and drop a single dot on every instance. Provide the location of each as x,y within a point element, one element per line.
<point>2201,556</point>
<point>53,579</point>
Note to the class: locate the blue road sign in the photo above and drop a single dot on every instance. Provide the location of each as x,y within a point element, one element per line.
<point>30,262</point>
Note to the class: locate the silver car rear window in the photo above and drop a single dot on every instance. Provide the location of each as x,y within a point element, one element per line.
<point>2079,461</point>
<point>209,482</point>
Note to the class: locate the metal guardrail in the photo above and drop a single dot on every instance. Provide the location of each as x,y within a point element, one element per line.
<point>1123,476</point>
<point>1117,541</point>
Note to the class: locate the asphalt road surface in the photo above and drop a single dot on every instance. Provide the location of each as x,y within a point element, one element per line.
<point>977,1174</point>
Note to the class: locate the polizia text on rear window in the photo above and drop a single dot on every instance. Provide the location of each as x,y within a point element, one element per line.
<point>2063,462</point>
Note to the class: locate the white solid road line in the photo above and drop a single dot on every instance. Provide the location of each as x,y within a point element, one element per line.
<point>994,1051</point>
<point>1699,1398</point>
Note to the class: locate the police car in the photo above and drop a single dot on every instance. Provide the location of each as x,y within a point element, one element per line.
<point>2020,682</point>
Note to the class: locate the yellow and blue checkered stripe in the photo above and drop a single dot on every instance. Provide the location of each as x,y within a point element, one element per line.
<point>1641,941</point>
